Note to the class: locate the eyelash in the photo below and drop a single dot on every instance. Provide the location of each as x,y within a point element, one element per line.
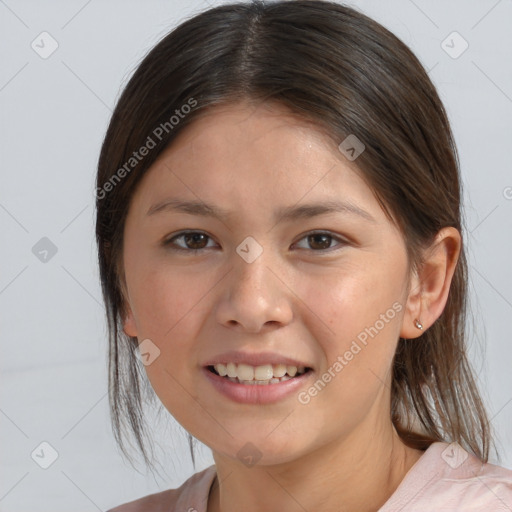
<point>169,242</point>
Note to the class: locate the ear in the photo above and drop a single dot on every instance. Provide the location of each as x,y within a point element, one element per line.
<point>129,326</point>
<point>430,286</point>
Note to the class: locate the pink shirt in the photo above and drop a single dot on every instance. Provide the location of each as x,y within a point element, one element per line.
<point>445,478</point>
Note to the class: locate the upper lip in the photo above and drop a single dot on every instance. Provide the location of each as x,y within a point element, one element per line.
<point>255,359</point>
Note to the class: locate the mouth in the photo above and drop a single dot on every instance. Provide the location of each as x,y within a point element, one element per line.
<point>262,375</point>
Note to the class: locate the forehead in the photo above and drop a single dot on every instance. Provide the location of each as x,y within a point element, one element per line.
<point>265,136</point>
<point>246,155</point>
<point>229,126</point>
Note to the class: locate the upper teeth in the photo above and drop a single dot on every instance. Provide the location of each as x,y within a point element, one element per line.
<point>263,372</point>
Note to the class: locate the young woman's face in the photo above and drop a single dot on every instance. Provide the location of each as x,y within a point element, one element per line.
<point>300,268</point>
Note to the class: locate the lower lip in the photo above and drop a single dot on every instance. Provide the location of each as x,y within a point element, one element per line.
<point>256,393</point>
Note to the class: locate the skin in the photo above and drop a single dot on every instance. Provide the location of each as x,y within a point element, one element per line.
<point>340,451</point>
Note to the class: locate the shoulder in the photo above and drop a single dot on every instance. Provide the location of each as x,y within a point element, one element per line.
<point>474,485</point>
<point>192,494</point>
<point>157,502</point>
<point>447,477</point>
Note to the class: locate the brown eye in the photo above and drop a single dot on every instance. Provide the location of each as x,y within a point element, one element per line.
<point>195,240</point>
<point>321,241</point>
<point>191,241</point>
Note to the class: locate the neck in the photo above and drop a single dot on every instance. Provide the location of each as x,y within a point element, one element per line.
<point>353,475</point>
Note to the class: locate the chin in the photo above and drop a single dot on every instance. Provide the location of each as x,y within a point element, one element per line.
<point>256,448</point>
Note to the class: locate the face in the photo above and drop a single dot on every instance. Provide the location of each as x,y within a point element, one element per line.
<point>293,263</point>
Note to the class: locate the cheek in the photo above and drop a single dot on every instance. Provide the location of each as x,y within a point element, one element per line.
<point>164,299</point>
<point>170,307</point>
<point>350,299</point>
<point>363,313</point>
<point>361,310</point>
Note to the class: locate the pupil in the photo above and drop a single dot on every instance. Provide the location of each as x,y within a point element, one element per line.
<point>324,244</point>
<point>193,238</point>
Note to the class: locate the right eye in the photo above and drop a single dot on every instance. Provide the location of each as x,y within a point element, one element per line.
<point>193,241</point>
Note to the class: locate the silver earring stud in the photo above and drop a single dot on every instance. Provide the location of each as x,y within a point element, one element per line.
<point>418,324</point>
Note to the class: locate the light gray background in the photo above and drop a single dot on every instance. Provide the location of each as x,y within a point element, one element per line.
<point>54,113</point>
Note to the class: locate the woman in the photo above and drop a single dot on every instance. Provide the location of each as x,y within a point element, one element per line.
<point>279,233</point>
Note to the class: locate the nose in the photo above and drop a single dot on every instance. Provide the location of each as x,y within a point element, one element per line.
<point>254,296</point>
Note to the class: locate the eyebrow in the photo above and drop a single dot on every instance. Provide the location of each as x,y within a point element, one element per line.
<point>287,213</point>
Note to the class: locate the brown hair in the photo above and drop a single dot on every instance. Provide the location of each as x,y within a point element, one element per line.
<point>334,66</point>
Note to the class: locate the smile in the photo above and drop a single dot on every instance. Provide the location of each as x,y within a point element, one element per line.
<point>267,389</point>
<point>257,375</point>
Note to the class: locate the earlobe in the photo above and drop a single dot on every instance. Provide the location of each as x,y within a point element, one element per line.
<point>413,309</point>
<point>431,286</point>
<point>129,326</point>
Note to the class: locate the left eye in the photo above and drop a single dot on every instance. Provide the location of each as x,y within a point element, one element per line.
<point>321,240</point>
<point>196,240</point>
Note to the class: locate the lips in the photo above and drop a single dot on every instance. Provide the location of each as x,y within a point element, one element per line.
<point>256,378</point>
<point>258,392</point>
